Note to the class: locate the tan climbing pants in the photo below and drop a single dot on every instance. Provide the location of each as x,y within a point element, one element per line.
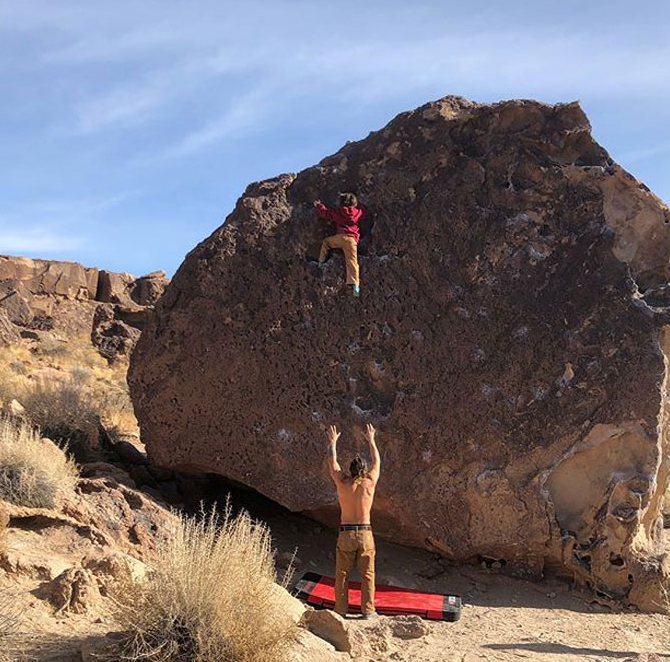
<point>350,248</point>
<point>355,549</point>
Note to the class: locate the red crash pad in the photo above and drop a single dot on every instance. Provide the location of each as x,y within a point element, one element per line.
<point>318,591</point>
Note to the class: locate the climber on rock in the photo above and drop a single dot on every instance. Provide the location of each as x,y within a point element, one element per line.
<point>345,218</point>
<point>355,543</point>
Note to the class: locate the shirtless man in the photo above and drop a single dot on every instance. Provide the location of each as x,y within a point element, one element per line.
<point>355,543</point>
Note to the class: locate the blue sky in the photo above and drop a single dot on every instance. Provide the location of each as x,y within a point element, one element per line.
<point>129,128</point>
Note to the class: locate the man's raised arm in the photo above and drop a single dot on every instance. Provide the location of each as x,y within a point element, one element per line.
<point>374,452</point>
<point>333,465</point>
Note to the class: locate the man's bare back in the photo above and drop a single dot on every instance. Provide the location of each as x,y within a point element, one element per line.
<point>355,493</point>
<point>355,499</point>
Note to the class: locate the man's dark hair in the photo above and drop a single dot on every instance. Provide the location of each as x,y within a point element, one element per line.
<point>358,467</point>
<point>348,200</point>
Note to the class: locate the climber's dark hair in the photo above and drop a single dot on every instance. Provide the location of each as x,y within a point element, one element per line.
<point>348,200</point>
<point>358,467</point>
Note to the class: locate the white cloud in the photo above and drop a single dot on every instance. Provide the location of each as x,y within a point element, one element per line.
<point>374,71</point>
<point>255,60</point>
<point>243,114</point>
<point>106,48</point>
<point>59,210</point>
<point>122,106</point>
<point>52,226</point>
<point>38,240</point>
<point>172,52</point>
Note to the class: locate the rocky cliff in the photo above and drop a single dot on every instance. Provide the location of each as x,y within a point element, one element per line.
<point>503,345</point>
<point>66,296</point>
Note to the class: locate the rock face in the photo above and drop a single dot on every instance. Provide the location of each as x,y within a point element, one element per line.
<point>46,294</point>
<point>125,288</point>
<point>94,542</point>
<point>502,344</point>
<point>67,279</point>
<point>112,336</point>
<point>8,331</point>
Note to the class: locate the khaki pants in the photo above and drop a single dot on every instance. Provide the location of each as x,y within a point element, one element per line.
<point>355,549</point>
<point>350,248</point>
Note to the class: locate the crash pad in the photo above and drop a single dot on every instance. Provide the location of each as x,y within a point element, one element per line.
<point>319,591</point>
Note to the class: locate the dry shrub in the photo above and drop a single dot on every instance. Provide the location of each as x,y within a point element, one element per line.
<point>10,622</point>
<point>10,614</point>
<point>63,409</point>
<point>32,472</point>
<point>71,408</point>
<point>13,380</point>
<point>69,351</point>
<point>67,387</point>
<point>211,597</point>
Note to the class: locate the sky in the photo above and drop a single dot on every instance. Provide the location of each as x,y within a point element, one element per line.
<point>128,129</point>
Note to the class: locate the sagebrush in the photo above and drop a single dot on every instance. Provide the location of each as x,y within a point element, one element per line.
<point>211,597</point>
<point>67,409</point>
<point>9,625</point>
<point>32,471</point>
<point>66,387</point>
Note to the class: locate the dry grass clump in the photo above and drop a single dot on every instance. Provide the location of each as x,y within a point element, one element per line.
<point>13,379</point>
<point>63,409</point>
<point>67,388</point>
<point>10,616</point>
<point>75,350</point>
<point>15,644</point>
<point>211,597</point>
<point>69,408</point>
<point>9,627</point>
<point>32,472</point>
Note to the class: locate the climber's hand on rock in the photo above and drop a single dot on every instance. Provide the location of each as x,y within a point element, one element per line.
<point>316,203</point>
<point>370,431</point>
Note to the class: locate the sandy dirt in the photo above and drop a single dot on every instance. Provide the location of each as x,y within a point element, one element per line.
<point>503,619</point>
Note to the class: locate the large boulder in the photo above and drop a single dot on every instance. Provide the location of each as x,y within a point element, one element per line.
<point>502,344</point>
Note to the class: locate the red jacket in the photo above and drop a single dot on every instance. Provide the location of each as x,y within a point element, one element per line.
<point>345,219</point>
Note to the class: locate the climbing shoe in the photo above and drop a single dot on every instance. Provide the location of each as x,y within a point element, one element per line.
<point>356,290</point>
<point>371,616</point>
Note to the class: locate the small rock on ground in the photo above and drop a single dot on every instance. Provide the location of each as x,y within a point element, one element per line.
<point>329,626</point>
<point>408,627</point>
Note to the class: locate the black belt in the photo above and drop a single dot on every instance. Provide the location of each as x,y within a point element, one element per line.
<point>355,527</point>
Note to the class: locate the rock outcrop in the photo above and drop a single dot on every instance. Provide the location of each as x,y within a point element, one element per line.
<point>96,538</point>
<point>8,331</point>
<point>502,345</point>
<point>46,294</point>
